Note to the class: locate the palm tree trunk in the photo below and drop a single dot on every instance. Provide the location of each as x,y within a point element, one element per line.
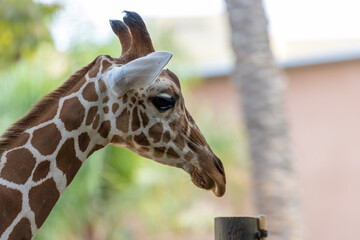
<point>262,88</point>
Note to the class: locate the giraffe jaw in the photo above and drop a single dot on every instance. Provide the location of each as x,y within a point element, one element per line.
<point>202,179</point>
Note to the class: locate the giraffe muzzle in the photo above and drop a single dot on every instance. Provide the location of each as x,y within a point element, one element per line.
<point>210,175</point>
<point>218,176</point>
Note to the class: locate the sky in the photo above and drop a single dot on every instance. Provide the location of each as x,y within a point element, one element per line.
<point>289,20</point>
<point>314,19</point>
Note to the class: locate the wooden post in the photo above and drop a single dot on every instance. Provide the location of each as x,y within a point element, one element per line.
<point>240,228</point>
<point>262,227</point>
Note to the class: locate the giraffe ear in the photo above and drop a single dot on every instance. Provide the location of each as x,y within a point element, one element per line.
<point>137,73</point>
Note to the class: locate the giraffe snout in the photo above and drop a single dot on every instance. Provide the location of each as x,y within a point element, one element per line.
<point>210,175</point>
<point>218,177</point>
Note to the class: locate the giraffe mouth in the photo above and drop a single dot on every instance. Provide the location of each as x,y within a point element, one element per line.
<point>202,179</point>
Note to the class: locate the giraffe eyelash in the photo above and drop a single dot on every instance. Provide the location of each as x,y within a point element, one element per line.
<point>164,95</point>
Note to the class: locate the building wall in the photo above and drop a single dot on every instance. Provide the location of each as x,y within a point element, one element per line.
<point>324,110</point>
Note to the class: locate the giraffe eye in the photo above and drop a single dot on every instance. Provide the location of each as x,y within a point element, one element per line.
<point>163,103</point>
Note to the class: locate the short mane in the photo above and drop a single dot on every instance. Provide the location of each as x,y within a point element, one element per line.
<point>42,106</point>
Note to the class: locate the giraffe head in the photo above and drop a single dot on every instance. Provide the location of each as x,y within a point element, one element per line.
<point>130,101</point>
<point>148,110</point>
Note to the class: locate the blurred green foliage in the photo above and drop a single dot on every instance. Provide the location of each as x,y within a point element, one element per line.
<point>116,194</point>
<point>24,25</point>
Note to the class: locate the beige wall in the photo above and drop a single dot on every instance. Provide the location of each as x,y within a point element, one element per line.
<point>324,110</point>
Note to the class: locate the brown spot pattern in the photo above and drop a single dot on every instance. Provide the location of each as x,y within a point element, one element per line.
<point>144,118</point>
<point>117,139</point>
<point>171,153</point>
<point>122,121</point>
<point>96,121</point>
<point>102,85</point>
<point>43,106</point>
<point>179,142</point>
<point>106,109</point>
<point>141,139</point>
<point>135,123</point>
<point>21,140</point>
<point>42,199</point>
<point>104,129</point>
<point>46,139</point>
<point>91,115</point>
<point>19,166</point>
<point>179,165</point>
<point>41,171</point>
<point>72,113</point>
<point>115,107</point>
<point>95,148</point>
<point>106,99</point>
<point>22,230</point>
<point>94,70</point>
<point>166,137</point>
<point>84,140</point>
<point>155,132</point>
<point>89,92</point>
<point>125,98</point>
<point>133,100</point>
<point>172,125</point>
<point>141,102</point>
<point>189,156</point>
<point>67,161</point>
<point>105,65</point>
<point>159,152</point>
<point>10,206</point>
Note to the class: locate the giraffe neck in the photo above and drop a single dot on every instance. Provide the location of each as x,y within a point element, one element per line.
<point>43,160</point>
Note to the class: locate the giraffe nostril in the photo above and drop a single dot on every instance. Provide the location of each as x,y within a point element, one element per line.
<point>219,166</point>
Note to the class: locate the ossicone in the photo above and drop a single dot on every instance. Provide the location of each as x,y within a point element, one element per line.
<point>136,43</point>
<point>122,32</point>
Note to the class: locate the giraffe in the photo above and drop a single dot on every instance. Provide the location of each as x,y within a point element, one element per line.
<point>130,102</point>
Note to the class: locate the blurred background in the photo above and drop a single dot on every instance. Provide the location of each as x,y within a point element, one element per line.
<point>118,195</point>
